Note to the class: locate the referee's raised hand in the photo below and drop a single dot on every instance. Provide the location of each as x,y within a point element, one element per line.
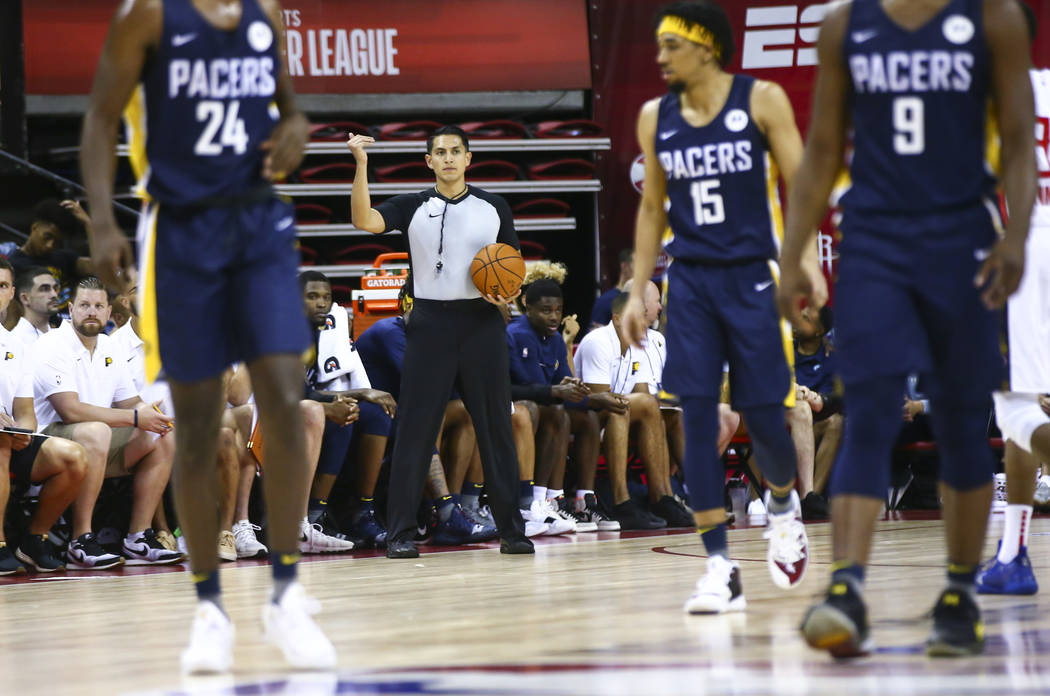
<point>356,144</point>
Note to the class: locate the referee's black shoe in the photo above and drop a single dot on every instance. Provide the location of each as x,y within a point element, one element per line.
<point>518,545</point>
<point>839,624</point>
<point>401,548</point>
<point>957,627</point>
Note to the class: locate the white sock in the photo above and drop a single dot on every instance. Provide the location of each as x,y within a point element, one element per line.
<point>555,493</point>
<point>581,492</point>
<point>539,493</point>
<point>1015,531</point>
<point>132,536</point>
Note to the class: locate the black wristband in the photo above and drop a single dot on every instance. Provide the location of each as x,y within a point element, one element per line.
<point>136,412</point>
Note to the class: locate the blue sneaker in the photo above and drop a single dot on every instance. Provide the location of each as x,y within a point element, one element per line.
<point>1013,578</point>
<point>367,527</point>
<point>483,517</point>
<point>458,529</point>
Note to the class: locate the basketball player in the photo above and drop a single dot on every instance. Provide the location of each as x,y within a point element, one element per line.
<point>1025,426</point>
<point>216,247</point>
<point>456,336</point>
<point>713,144</point>
<point>920,268</point>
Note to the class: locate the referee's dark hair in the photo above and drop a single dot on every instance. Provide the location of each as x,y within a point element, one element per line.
<point>709,15</point>
<point>619,302</point>
<point>312,277</point>
<point>544,287</point>
<point>448,130</point>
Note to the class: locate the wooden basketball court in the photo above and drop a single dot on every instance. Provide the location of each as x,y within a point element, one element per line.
<point>598,614</point>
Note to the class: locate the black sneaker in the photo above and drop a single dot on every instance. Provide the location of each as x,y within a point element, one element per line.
<point>520,545</point>
<point>669,509</point>
<point>9,564</point>
<point>367,527</point>
<point>402,548</point>
<point>814,507</point>
<point>85,553</point>
<point>36,551</point>
<point>630,517</point>
<point>957,627</point>
<point>839,624</point>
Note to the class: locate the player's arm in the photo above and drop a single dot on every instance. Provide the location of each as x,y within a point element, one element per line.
<point>136,27</point>
<point>1006,33</point>
<point>775,117</point>
<point>821,162</point>
<point>287,141</point>
<point>650,222</point>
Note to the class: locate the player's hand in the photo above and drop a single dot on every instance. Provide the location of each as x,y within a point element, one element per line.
<point>111,255</point>
<point>570,327</point>
<point>153,419</point>
<point>381,399</point>
<point>342,411</point>
<point>633,321</point>
<point>18,441</point>
<point>284,148</point>
<point>500,299</point>
<point>800,286</point>
<point>1000,274</point>
<point>607,401</point>
<point>356,144</point>
<point>570,392</point>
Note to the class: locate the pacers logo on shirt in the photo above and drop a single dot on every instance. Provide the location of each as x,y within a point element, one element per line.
<point>109,361</point>
<point>331,364</point>
<point>635,366</point>
<point>329,322</point>
<point>9,355</point>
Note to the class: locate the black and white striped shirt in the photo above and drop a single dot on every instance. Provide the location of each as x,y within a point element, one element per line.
<point>444,235</point>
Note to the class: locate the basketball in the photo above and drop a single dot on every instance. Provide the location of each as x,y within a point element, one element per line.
<point>497,270</point>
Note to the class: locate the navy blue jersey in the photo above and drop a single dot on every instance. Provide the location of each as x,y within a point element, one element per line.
<point>535,359</point>
<point>721,183</point>
<point>817,371</point>
<point>382,350</point>
<point>919,110</point>
<point>205,105</point>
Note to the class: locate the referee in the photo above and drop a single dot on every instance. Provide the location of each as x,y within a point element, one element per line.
<point>456,337</point>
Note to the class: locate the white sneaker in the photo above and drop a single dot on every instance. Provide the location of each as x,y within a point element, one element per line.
<point>313,540</point>
<point>211,642</point>
<point>1042,490</point>
<point>534,522</point>
<point>227,546</point>
<point>288,626</point>
<point>556,524</point>
<point>144,548</point>
<point>788,554</point>
<point>244,540</point>
<point>718,590</point>
<point>756,508</point>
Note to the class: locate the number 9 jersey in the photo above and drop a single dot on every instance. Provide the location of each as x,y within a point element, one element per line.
<point>721,183</point>
<point>919,111</point>
<point>204,106</point>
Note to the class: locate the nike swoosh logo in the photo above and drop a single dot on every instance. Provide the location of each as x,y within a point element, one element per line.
<point>862,36</point>
<point>438,215</point>
<point>182,39</point>
<point>762,286</point>
<point>668,134</point>
<point>981,254</point>
<point>284,223</point>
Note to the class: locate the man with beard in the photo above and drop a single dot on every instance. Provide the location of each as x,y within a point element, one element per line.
<point>84,392</point>
<point>37,290</point>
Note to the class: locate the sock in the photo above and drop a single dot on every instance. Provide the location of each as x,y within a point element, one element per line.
<point>961,576</point>
<point>582,493</point>
<point>457,498</point>
<point>1015,531</point>
<point>284,572</point>
<point>847,571</point>
<point>780,504</point>
<point>132,536</point>
<point>366,502</point>
<point>207,586</point>
<point>555,493</point>
<point>539,493</point>
<point>444,507</point>
<point>317,504</point>
<point>524,494</point>
<point>470,494</point>
<point>715,539</point>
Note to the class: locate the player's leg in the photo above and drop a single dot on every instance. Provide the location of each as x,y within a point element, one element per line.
<point>229,477</point>
<point>800,422</point>
<point>61,466</point>
<point>586,431</point>
<point>9,563</point>
<point>149,459</point>
<point>829,434</point>
<point>651,436</point>
<point>552,450</point>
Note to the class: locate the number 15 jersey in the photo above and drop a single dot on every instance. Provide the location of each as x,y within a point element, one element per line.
<point>721,183</point>
<point>205,105</point>
<point>919,110</point>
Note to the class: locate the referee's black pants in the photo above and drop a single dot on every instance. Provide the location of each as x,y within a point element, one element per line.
<point>461,343</point>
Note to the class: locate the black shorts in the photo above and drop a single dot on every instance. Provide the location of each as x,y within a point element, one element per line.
<point>22,461</point>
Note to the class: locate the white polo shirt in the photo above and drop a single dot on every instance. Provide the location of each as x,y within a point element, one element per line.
<point>63,364</point>
<point>655,359</point>
<point>16,374</point>
<point>26,332</point>
<point>598,360</point>
<point>135,350</point>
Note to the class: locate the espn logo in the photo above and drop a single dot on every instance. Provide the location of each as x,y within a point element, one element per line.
<point>775,47</point>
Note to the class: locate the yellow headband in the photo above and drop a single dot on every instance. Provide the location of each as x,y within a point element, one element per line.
<point>697,33</point>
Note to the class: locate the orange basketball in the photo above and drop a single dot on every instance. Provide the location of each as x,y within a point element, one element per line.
<point>497,270</point>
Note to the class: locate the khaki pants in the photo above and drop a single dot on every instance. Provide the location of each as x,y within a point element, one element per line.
<point>115,465</point>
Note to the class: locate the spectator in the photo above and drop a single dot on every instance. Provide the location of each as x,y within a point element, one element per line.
<point>37,290</point>
<point>601,312</point>
<point>84,392</point>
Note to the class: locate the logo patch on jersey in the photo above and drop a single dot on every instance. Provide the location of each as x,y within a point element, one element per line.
<point>182,39</point>
<point>331,364</point>
<point>285,222</point>
<point>260,35</point>
<point>862,36</point>
<point>668,134</point>
<point>329,322</point>
<point>736,120</point>
<point>958,29</point>
<point>762,286</point>
<point>109,361</point>
<point>525,352</point>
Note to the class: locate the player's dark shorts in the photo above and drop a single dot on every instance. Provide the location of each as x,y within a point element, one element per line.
<point>905,301</point>
<point>717,314</point>
<point>226,285</point>
<point>21,466</point>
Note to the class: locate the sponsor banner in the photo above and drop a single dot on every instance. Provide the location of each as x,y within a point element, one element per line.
<point>334,46</point>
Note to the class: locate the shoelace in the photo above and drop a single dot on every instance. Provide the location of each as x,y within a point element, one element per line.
<point>715,580</point>
<point>246,532</point>
<point>785,536</point>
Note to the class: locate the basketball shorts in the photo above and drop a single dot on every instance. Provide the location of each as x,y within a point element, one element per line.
<point>905,302</point>
<point>219,285</point>
<point>21,464</point>
<point>1028,319</point>
<point>719,314</point>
